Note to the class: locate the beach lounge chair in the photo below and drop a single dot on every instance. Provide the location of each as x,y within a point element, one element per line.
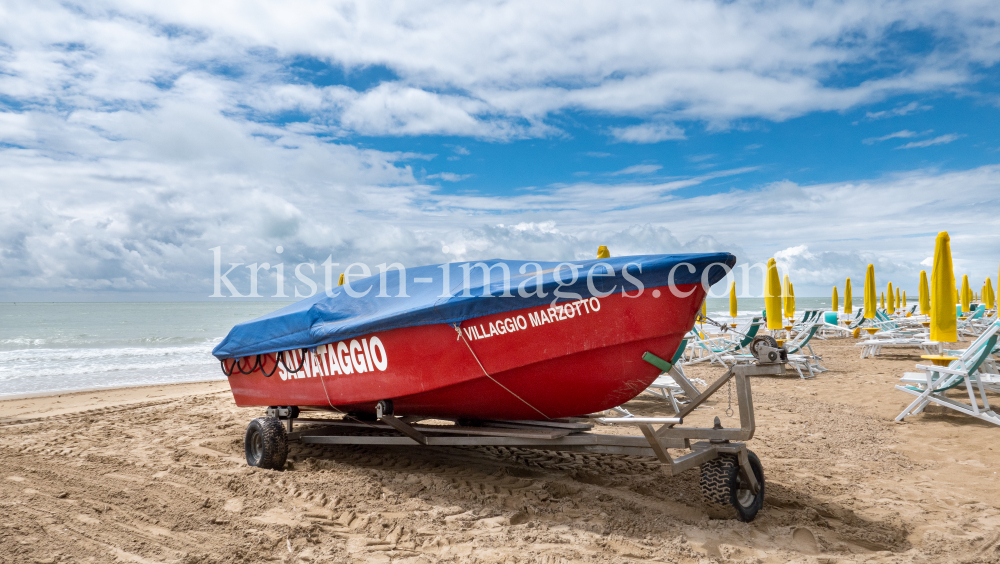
<point>712,350</point>
<point>859,318</point>
<point>873,346</point>
<point>894,328</point>
<point>798,346</point>
<point>828,327</point>
<point>969,327</point>
<point>931,385</point>
<point>808,317</point>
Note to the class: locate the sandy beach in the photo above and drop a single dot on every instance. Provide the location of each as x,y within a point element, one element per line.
<point>157,474</point>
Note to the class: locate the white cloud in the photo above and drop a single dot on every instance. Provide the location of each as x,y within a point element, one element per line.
<point>637,169</point>
<point>904,134</point>
<point>939,140</point>
<point>910,108</point>
<point>450,176</point>
<point>647,133</point>
<point>496,71</point>
<point>136,135</point>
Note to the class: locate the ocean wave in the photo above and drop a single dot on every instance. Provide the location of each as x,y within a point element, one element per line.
<point>94,341</point>
<point>84,354</point>
<point>38,365</point>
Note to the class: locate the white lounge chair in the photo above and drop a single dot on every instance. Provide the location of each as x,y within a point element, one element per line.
<point>713,349</point>
<point>969,326</point>
<point>931,385</point>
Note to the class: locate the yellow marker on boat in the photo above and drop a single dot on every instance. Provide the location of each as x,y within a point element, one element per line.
<point>966,293</point>
<point>772,297</point>
<point>871,300</point>
<point>834,300</point>
<point>944,320</point>
<point>602,252</point>
<point>732,301</point>
<point>848,305</point>
<point>892,300</point>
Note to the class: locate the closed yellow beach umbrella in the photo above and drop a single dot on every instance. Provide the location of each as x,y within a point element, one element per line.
<point>871,300</point>
<point>924,295</point>
<point>988,293</point>
<point>966,293</point>
<point>834,301</point>
<point>904,298</point>
<point>899,300</point>
<point>892,300</point>
<point>848,306</point>
<point>603,252</point>
<point>791,296</point>
<point>732,300</point>
<point>340,282</point>
<point>944,321</point>
<point>786,297</point>
<point>882,300</point>
<point>772,296</point>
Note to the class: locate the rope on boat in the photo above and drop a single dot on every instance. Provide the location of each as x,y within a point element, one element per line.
<point>252,370</point>
<point>279,358</point>
<point>273,370</point>
<point>461,336</point>
<point>302,361</point>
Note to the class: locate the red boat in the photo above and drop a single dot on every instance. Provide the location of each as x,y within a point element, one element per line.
<point>543,362</point>
<point>509,370</point>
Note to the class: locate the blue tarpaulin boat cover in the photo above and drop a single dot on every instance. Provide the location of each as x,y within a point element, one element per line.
<point>451,293</point>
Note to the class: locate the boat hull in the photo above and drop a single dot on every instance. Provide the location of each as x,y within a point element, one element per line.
<point>544,362</point>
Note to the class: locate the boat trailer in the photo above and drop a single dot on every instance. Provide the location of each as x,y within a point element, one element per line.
<point>732,478</point>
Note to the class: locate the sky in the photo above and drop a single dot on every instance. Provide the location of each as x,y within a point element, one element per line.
<point>138,136</point>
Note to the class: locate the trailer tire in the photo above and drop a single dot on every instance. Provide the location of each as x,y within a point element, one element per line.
<point>723,492</point>
<point>266,443</point>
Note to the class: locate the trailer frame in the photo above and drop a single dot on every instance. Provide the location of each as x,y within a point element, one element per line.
<point>711,448</point>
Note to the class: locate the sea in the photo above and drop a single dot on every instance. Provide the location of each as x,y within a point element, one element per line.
<point>50,348</point>
<point>63,347</point>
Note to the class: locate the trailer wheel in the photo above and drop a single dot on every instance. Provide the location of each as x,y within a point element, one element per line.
<point>266,443</point>
<point>723,491</point>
